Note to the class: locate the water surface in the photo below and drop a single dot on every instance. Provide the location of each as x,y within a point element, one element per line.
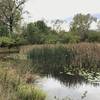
<point>57,90</point>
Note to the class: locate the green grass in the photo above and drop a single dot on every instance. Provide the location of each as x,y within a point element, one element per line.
<point>28,92</point>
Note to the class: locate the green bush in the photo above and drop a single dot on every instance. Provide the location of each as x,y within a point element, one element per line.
<point>69,38</point>
<point>12,41</point>
<point>29,92</point>
<point>6,41</point>
<point>19,40</point>
<point>36,38</point>
<point>51,39</point>
<point>93,37</point>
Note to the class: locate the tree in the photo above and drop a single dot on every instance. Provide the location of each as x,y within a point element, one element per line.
<point>42,27</point>
<point>57,24</point>
<point>31,28</point>
<point>34,32</point>
<point>68,37</point>
<point>81,24</point>
<point>93,36</point>
<point>10,13</point>
<point>3,30</point>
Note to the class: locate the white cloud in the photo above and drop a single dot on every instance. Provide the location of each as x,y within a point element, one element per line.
<point>61,9</point>
<point>53,9</point>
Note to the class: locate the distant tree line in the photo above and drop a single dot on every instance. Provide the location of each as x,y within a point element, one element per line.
<point>39,33</point>
<point>12,33</point>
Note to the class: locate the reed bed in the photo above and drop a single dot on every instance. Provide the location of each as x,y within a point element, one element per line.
<point>64,58</point>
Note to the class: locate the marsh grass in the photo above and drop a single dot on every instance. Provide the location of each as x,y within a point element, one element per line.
<point>13,85</point>
<point>28,92</point>
<point>66,58</point>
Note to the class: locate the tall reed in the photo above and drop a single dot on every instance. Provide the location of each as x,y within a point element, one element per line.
<point>62,58</point>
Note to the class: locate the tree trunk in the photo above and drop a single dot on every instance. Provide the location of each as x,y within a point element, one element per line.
<point>10,27</point>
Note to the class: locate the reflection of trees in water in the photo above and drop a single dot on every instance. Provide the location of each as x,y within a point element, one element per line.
<point>72,78</point>
<point>68,75</point>
<point>84,95</point>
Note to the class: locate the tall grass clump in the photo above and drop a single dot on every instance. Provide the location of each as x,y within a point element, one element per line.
<point>63,58</point>
<point>14,87</point>
<point>28,92</point>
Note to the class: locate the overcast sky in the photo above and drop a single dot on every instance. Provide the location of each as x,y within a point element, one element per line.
<point>61,9</point>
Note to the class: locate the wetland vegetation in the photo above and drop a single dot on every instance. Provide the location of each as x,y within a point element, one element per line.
<point>42,62</point>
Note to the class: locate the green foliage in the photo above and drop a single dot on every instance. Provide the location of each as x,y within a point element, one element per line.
<point>6,41</point>
<point>42,27</point>
<point>31,28</point>
<point>39,33</point>
<point>81,24</point>
<point>29,92</point>
<point>19,39</point>
<point>69,38</point>
<point>63,58</point>
<point>36,38</point>
<point>52,38</point>
<point>36,32</point>
<point>3,30</point>
<point>11,11</point>
<point>93,36</point>
<point>36,27</point>
<point>13,41</point>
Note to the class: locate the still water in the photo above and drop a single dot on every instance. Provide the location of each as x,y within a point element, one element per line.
<point>71,89</point>
<point>73,71</point>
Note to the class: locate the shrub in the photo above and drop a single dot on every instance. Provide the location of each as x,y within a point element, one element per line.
<point>69,38</point>
<point>36,38</point>
<point>6,41</point>
<point>13,41</point>
<point>29,92</point>
<point>51,38</point>
<point>93,37</point>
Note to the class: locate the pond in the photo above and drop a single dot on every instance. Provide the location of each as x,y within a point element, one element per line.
<point>71,72</point>
<point>67,73</point>
<point>76,89</point>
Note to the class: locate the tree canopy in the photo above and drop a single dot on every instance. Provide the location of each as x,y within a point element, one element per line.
<point>81,24</point>
<point>10,13</point>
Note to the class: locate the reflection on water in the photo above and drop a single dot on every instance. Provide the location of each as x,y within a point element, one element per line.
<point>72,71</point>
<point>76,84</point>
<point>56,90</point>
<point>71,86</point>
<point>70,80</point>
